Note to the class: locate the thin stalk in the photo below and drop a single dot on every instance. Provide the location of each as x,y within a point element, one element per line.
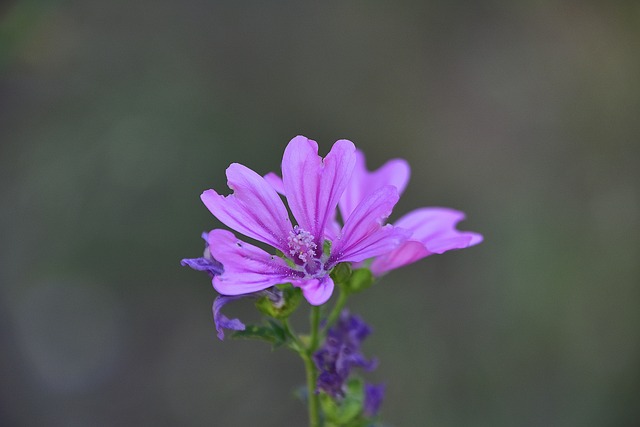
<point>310,367</point>
<point>337,309</point>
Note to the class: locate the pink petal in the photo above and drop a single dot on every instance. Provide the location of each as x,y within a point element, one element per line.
<point>332,230</point>
<point>316,291</point>
<point>395,172</point>
<point>364,235</point>
<point>276,182</point>
<point>436,229</point>
<point>434,232</point>
<point>407,253</point>
<point>254,209</point>
<point>247,268</point>
<point>313,186</point>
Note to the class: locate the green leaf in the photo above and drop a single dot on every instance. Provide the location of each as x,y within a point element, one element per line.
<point>272,333</point>
<point>292,297</point>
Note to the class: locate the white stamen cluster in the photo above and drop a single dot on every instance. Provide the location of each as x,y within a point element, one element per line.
<point>301,244</point>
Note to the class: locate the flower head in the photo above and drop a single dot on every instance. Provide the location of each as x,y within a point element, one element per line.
<point>311,247</point>
<point>340,353</point>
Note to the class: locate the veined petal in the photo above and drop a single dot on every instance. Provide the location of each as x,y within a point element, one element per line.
<point>436,229</point>
<point>316,291</point>
<point>433,231</point>
<point>331,229</point>
<point>364,235</point>
<point>313,186</point>
<point>247,268</point>
<point>254,209</point>
<point>395,172</point>
<point>407,253</point>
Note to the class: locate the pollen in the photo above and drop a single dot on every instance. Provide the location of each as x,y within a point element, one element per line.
<point>301,245</point>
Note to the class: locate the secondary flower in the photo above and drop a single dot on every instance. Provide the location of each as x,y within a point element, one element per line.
<point>432,230</point>
<point>313,246</point>
<point>340,353</point>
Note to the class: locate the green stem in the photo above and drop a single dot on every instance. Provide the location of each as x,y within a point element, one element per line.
<point>314,414</point>
<point>310,367</point>
<point>337,309</point>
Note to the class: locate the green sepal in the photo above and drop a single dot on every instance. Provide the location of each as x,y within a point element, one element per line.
<point>341,273</point>
<point>360,280</point>
<point>291,296</point>
<point>286,259</point>
<point>272,333</point>
<point>346,411</point>
<point>326,248</point>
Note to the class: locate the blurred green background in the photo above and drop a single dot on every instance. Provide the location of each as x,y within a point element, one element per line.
<point>115,116</point>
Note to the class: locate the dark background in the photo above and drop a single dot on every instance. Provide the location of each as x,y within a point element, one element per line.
<point>116,115</point>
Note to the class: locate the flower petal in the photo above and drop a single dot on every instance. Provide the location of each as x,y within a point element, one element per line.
<point>313,186</point>
<point>221,321</point>
<point>254,209</point>
<point>275,181</point>
<point>433,231</point>
<point>316,291</point>
<point>247,268</point>
<point>211,266</point>
<point>436,229</point>
<point>407,253</point>
<point>363,235</point>
<point>395,172</point>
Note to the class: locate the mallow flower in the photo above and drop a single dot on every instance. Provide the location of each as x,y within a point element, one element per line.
<point>310,248</point>
<point>432,229</point>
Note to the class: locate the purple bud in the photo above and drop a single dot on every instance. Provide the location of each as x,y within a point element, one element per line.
<point>373,396</point>
<point>205,263</point>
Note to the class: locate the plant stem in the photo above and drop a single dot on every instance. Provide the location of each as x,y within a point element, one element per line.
<point>337,309</point>
<point>310,367</point>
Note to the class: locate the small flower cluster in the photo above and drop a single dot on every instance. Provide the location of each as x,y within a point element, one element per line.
<point>340,353</point>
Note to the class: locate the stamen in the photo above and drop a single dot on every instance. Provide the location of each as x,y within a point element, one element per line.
<point>301,244</point>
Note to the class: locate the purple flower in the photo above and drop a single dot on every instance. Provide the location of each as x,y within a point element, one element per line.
<point>340,353</point>
<point>204,263</point>
<point>373,397</point>
<point>433,230</point>
<point>311,248</point>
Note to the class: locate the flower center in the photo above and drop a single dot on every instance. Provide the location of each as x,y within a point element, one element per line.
<point>301,245</point>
